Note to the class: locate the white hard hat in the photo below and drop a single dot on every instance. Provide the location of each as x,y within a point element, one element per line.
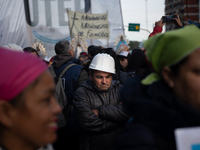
<point>103,62</point>
<point>13,46</point>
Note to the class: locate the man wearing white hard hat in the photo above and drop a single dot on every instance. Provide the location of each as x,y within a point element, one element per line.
<point>98,111</point>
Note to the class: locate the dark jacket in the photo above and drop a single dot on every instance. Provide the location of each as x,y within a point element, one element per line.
<point>124,76</point>
<point>156,114</point>
<point>74,77</point>
<point>98,132</point>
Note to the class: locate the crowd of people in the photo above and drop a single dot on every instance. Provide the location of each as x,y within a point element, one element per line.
<point>115,99</point>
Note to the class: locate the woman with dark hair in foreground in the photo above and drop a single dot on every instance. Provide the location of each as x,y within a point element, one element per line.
<point>28,109</point>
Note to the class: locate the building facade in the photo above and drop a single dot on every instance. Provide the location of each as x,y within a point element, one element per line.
<point>186,9</point>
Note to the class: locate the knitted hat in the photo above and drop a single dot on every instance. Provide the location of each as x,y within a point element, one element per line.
<point>18,70</point>
<point>170,48</point>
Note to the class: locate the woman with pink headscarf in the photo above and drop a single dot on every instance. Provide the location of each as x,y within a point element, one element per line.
<point>28,109</point>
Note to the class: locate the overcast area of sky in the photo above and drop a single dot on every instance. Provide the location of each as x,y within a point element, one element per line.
<point>134,11</point>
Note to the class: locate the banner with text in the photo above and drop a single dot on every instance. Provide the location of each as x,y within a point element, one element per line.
<point>89,26</point>
<point>26,22</point>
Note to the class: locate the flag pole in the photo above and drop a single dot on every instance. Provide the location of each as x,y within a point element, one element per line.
<point>68,24</point>
<point>91,42</point>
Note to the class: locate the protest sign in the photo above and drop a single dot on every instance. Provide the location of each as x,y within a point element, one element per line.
<point>46,21</point>
<point>89,26</point>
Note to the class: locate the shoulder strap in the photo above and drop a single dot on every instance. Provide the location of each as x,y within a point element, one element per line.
<point>65,69</point>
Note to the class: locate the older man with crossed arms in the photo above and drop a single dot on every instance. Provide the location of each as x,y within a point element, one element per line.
<point>98,110</point>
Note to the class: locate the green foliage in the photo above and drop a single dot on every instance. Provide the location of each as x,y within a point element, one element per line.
<point>133,44</point>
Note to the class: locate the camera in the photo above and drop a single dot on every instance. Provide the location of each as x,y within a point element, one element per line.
<point>168,18</point>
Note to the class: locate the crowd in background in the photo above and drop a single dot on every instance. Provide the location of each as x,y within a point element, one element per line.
<point>115,99</point>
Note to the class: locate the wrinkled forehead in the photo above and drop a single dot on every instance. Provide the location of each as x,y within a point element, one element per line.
<point>101,73</point>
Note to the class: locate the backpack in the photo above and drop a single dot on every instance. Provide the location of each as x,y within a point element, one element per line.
<point>60,95</point>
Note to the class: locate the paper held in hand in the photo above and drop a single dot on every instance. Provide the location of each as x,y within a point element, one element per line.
<point>188,138</point>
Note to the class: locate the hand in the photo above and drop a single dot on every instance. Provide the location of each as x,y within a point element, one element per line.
<point>178,22</point>
<point>96,112</point>
<point>159,23</point>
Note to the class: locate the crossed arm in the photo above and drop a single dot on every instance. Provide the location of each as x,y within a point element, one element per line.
<point>104,119</point>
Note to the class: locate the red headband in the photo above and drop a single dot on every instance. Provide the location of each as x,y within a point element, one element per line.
<point>18,70</point>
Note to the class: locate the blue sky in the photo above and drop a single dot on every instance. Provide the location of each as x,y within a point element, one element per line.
<point>134,11</point>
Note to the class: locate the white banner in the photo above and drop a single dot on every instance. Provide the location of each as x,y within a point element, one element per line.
<point>25,22</point>
<point>88,26</point>
<point>13,26</point>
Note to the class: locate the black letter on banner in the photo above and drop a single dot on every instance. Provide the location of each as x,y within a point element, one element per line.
<point>77,4</point>
<point>87,5</point>
<point>80,33</point>
<point>62,12</point>
<point>73,18</point>
<point>35,12</point>
<point>48,12</point>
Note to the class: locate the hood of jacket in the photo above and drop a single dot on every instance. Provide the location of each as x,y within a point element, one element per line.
<point>59,60</point>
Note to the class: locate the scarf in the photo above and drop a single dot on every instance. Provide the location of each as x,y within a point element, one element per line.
<point>170,48</point>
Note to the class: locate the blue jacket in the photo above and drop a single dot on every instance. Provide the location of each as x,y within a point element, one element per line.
<point>74,76</point>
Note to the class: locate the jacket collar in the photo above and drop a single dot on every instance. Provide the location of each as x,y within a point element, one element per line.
<point>91,86</point>
<point>60,59</point>
<point>97,89</point>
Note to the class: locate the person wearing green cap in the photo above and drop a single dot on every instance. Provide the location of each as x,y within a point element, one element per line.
<point>167,99</point>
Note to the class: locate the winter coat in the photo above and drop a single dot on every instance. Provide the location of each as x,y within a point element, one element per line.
<point>98,132</point>
<point>124,76</point>
<point>156,114</point>
<point>74,76</point>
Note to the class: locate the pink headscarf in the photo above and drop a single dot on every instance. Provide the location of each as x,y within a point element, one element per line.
<point>17,71</point>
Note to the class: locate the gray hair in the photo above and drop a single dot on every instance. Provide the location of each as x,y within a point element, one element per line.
<point>121,48</point>
<point>62,47</point>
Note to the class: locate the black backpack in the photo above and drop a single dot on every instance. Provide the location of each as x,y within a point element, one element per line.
<point>60,96</point>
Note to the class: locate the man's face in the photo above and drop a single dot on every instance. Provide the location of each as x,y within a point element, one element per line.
<point>101,79</point>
